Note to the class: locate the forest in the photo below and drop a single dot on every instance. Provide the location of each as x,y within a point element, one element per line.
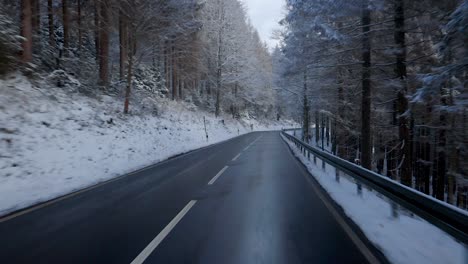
<point>177,131</point>
<point>111,86</point>
<point>202,51</point>
<point>382,83</point>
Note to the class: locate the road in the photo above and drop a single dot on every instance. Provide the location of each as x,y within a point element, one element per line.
<point>247,200</point>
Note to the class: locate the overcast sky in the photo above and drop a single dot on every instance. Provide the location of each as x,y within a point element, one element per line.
<point>265,15</point>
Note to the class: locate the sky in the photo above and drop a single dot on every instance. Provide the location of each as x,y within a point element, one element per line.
<point>265,15</point>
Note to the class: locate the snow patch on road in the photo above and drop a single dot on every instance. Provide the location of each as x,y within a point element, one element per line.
<point>404,237</point>
<point>53,141</point>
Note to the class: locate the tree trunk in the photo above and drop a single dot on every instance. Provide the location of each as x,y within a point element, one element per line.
<point>123,39</point>
<point>441,155</point>
<point>104,44</point>
<point>334,137</point>
<point>174,74</point>
<point>426,154</point>
<point>66,24</point>
<point>417,156</point>
<point>219,58</point>
<point>166,66</point>
<point>453,152</point>
<point>366,158</point>
<point>96,29</point>
<point>50,15</point>
<point>218,92</point>
<point>305,121</point>
<point>390,156</point>
<point>317,127</point>
<point>218,74</point>
<point>402,102</point>
<point>322,117</point>
<point>80,30</point>
<point>381,154</point>
<point>36,16</point>
<point>128,90</point>
<point>453,166</point>
<point>180,81</point>
<point>404,138</point>
<point>340,135</point>
<point>181,88</point>
<point>26,30</point>
<point>424,169</point>
<point>327,129</point>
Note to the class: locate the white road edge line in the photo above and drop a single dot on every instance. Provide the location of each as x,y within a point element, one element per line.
<point>160,237</point>
<point>217,175</point>
<point>235,158</point>
<point>371,258</point>
<point>352,235</point>
<point>246,148</point>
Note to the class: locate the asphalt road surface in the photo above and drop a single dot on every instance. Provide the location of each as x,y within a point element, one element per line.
<point>246,200</point>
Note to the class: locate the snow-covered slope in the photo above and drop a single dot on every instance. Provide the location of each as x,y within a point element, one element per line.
<point>54,141</point>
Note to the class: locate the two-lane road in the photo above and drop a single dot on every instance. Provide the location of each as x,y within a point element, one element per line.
<point>246,200</point>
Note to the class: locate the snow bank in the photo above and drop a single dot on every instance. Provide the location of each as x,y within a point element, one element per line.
<point>54,140</point>
<point>402,236</point>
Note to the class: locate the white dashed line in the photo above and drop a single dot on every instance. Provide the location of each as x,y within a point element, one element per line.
<point>217,175</point>
<point>234,159</point>
<point>160,237</point>
<point>255,140</point>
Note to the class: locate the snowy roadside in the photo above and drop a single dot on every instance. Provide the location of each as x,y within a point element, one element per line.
<point>403,239</point>
<point>53,142</point>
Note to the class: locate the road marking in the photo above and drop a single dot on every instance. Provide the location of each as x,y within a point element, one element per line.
<point>160,237</point>
<point>35,207</point>
<point>234,159</point>
<point>353,236</point>
<point>246,148</point>
<point>253,142</point>
<point>217,175</point>
<point>258,138</point>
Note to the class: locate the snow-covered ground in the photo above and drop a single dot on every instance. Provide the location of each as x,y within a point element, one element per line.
<point>55,141</point>
<point>404,237</point>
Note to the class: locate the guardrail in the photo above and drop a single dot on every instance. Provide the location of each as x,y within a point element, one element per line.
<point>290,129</point>
<point>447,217</point>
